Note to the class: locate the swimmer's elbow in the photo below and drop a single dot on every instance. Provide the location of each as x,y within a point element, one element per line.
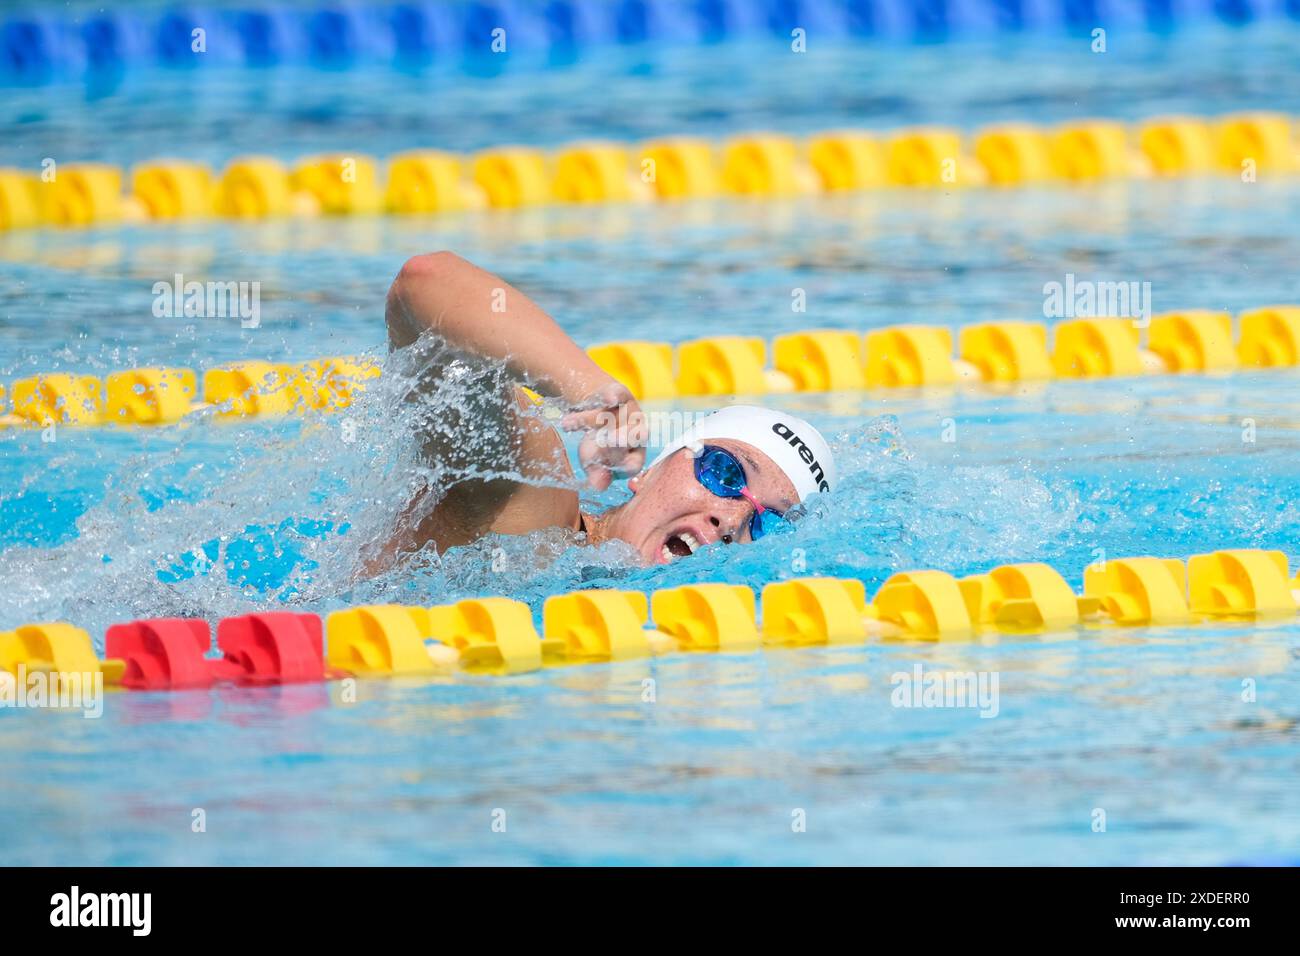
<point>418,295</point>
<point>431,267</point>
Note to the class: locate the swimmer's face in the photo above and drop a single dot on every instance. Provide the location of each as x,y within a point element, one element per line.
<point>671,515</point>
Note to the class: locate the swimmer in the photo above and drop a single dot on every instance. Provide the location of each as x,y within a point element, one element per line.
<point>730,478</point>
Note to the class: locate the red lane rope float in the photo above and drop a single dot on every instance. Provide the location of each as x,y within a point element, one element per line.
<point>171,653</point>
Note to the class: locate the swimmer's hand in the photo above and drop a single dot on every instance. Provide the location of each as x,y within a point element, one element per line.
<point>616,433</point>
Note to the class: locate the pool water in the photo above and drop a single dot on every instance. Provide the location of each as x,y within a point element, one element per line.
<point>215,113</point>
<point>731,752</point>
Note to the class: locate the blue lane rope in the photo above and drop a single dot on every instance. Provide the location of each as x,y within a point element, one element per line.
<point>38,47</point>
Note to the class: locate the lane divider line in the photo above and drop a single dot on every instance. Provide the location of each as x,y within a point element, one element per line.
<point>42,47</point>
<point>816,360</point>
<point>497,635</point>
<point>761,164</point>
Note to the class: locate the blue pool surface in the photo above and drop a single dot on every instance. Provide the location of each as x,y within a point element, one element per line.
<point>1150,725</point>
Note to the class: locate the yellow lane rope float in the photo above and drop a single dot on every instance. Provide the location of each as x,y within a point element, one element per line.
<point>760,164</point>
<point>825,360</point>
<point>497,635</point>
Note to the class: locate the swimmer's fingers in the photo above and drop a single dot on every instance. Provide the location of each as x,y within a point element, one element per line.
<point>615,432</point>
<point>594,460</point>
<point>622,447</point>
<point>613,419</point>
<point>610,407</point>
<point>634,461</point>
<point>630,437</point>
<point>602,453</point>
<point>624,459</point>
<point>598,476</point>
<point>589,420</point>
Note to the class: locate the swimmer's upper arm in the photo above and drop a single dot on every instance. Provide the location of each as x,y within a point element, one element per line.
<point>471,423</point>
<point>480,316</point>
<point>410,297</point>
<point>473,310</point>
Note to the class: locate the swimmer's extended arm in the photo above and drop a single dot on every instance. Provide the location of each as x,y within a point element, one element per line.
<point>479,313</point>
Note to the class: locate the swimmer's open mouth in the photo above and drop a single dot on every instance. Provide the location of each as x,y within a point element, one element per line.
<point>679,546</point>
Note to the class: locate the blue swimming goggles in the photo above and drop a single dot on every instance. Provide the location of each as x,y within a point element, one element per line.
<point>721,472</point>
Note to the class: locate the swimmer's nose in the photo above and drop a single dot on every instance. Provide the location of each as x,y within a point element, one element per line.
<point>730,522</point>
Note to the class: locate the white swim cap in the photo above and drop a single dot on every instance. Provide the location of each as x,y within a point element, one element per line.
<point>797,448</point>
